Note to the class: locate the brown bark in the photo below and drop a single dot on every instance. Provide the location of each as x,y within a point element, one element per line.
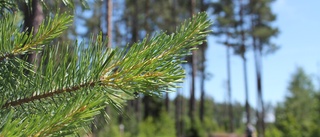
<point>179,110</point>
<point>134,31</point>
<point>33,17</point>
<point>48,94</point>
<point>167,102</point>
<point>203,71</point>
<point>109,22</point>
<point>193,74</point>
<point>177,115</point>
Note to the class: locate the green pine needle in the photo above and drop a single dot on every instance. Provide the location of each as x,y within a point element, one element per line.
<point>75,82</point>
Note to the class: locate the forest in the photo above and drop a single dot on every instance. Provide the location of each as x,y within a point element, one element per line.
<point>139,68</point>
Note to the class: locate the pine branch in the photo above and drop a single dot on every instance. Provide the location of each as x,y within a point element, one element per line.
<point>24,41</point>
<point>48,94</point>
<point>85,78</point>
<point>47,32</point>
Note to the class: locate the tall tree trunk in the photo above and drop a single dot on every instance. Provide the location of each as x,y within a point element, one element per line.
<point>135,24</point>
<point>230,109</point>
<point>255,19</point>
<point>167,100</point>
<point>179,100</point>
<point>261,113</point>
<point>183,112</point>
<point>260,103</point>
<point>33,17</point>
<point>178,114</point>
<point>173,24</point>
<point>247,105</point>
<point>202,95</point>
<point>202,82</point>
<point>244,59</point>
<point>193,74</point>
<point>258,66</point>
<point>135,38</point>
<point>109,22</point>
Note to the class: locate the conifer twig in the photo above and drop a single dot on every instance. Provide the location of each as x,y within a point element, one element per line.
<point>49,94</point>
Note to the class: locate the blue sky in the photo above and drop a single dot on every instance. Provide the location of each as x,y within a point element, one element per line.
<point>299,37</point>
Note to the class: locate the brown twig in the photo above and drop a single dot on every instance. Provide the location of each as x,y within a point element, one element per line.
<point>48,94</point>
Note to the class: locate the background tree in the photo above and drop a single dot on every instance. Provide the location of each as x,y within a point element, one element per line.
<point>226,26</point>
<point>202,67</point>
<point>294,116</point>
<point>241,50</point>
<point>261,33</point>
<point>33,17</point>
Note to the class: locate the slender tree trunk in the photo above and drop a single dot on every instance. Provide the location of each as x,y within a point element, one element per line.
<point>261,96</point>
<point>259,92</point>
<point>258,60</point>
<point>33,17</point>
<point>182,113</point>
<point>167,100</point>
<point>230,109</point>
<point>135,24</point>
<point>260,110</point>
<point>202,96</point>
<point>137,108</point>
<point>146,102</point>
<point>178,115</point>
<point>247,105</point>
<point>109,22</point>
<point>244,59</point>
<point>258,67</point>
<point>203,71</point>
<point>193,74</point>
<point>135,38</point>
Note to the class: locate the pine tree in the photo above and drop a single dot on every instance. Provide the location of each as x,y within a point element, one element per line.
<point>261,33</point>
<point>59,98</point>
<point>241,50</point>
<point>226,26</point>
<point>202,68</point>
<point>294,115</point>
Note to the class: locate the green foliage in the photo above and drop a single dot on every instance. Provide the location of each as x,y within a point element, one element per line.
<point>272,131</point>
<point>112,130</point>
<point>262,17</point>
<point>315,129</point>
<point>209,124</point>
<point>163,126</point>
<point>195,128</point>
<point>63,93</point>
<point>294,116</point>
